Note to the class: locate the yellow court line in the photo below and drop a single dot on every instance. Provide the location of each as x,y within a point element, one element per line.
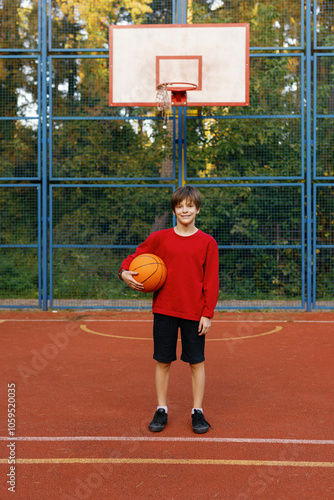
<point>168,461</point>
<point>277,329</point>
<point>85,329</point>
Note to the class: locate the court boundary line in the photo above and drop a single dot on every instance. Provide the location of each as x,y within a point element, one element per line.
<point>169,439</point>
<point>124,337</point>
<point>171,461</point>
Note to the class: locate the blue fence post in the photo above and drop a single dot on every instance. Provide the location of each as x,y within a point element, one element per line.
<point>308,158</point>
<point>180,144</point>
<point>179,138</point>
<point>44,157</point>
<point>181,6</point>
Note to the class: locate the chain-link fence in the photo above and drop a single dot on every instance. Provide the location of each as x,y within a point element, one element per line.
<point>83,183</point>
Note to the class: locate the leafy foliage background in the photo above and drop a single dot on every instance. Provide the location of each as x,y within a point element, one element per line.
<point>95,223</point>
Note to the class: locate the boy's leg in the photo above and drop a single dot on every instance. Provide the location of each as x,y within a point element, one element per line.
<point>160,418</point>
<point>165,329</point>
<point>198,383</point>
<point>161,382</point>
<point>193,346</point>
<point>200,425</point>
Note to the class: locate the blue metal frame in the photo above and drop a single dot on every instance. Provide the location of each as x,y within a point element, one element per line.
<point>44,156</point>
<point>301,246</point>
<point>81,49</point>
<point>297,47</point>
<point>181,144</point>
<point>315,38</point>
<point>56,49</point>
<point>314,280</point>
<point>308,132</point>
<point>300,116</point>
<point>37,245</point>
<point>52,246</point>
<point>52,119</point>
<point>39,23</point>
<point>309,268</point>
<point>316,115</point>
<point>316,246</point>
<point>37,118</point>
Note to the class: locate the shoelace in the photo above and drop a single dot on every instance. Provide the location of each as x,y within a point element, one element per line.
<point>160,416</point>
<point>201,419</point>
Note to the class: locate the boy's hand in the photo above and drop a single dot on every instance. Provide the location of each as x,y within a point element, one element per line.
<point>204,325</point>
<point>127,277</point>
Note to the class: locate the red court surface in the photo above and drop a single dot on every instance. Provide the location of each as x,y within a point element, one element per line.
<point>84,395</point>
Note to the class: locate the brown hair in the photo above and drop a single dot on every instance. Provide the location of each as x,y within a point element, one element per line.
<point>183,193</point>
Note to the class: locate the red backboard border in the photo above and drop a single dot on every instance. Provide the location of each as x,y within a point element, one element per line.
<point>166,26</point>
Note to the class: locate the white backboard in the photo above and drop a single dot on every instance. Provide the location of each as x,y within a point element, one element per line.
<point>215,57</point>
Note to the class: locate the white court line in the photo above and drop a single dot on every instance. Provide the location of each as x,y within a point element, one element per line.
<point>168,439</point>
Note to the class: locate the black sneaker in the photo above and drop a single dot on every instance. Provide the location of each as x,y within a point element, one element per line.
<point>200,425</point>
<point>159,421</point>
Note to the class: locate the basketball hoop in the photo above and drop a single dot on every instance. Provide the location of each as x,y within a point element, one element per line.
<point>143,58</point>
<point>179,96</point>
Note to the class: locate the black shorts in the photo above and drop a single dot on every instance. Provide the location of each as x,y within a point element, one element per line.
<point>165,333</point>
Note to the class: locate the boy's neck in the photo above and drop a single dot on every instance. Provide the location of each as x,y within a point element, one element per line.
<point>185,230</point>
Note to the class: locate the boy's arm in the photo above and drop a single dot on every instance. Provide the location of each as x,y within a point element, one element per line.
<point>127,277</point>
<point>124,273</point>
<point>204,325</point>
<point>211,280</point>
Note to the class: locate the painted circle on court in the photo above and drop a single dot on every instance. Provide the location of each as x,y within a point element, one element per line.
<point>87,330</point>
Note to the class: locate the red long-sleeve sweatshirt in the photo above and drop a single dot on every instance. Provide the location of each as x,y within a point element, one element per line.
<point>191,288</point>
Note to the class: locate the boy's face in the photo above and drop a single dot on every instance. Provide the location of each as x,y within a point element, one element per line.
<point>186,212</point>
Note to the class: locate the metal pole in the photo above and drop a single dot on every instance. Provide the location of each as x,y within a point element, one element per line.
<point>180,145</point>
<point>44,158</point>
<point>308,158</point>
<point>181,9</point>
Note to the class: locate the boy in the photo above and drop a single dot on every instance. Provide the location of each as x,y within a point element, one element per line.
<point>186,300</point>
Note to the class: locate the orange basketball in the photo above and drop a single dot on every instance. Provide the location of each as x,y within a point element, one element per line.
<point>152,271</point>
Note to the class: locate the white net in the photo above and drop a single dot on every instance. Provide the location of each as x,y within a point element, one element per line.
<point>163,101</point>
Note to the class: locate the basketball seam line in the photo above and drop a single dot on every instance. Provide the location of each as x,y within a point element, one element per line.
<point>148,264</point>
